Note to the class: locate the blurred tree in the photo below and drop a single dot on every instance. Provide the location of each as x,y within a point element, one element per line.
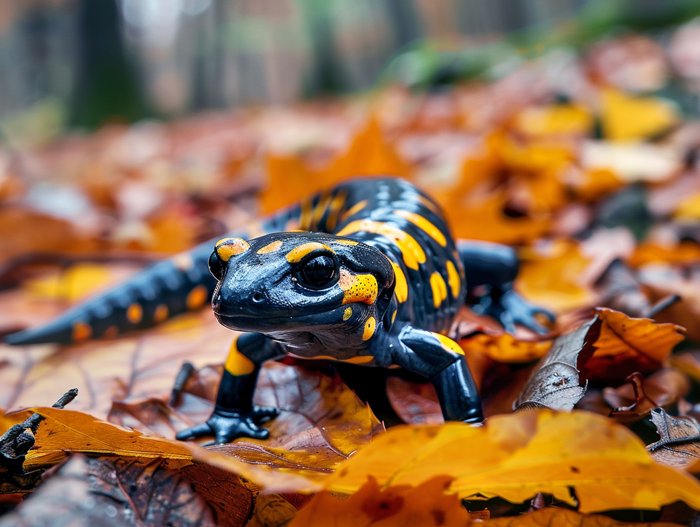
<point>106,87</point>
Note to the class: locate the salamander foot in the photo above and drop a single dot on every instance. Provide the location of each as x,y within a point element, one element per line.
<point>227,425</point>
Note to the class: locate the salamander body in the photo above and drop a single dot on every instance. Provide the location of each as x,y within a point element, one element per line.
<point>364,273</point>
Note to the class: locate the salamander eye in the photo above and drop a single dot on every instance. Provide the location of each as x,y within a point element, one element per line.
<point>216,267</point>
<point>318,272</point>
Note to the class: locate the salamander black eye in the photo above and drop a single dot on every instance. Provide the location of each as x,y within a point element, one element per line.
<point>318,272</point>
<point>216,267</point>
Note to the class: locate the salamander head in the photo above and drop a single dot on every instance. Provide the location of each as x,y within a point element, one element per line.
<point>300,282</point>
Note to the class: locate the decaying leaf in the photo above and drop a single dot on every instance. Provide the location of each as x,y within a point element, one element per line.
<point>564,518</point>
<point>639,396</point>
<point>521,454</point>
<point>400,505</point>
<point>99,493</point>
<point>556,382</point>
<point>679,445</point>
<point>626,345</point>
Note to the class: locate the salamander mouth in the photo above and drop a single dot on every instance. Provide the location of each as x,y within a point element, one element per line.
<point>263,323</point>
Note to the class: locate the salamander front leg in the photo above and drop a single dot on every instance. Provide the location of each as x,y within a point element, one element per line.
<point>442,361</point>
<point>495,267</point>
<point>234,414</point>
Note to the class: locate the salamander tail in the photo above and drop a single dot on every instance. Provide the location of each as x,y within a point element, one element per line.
<point>153,295</point>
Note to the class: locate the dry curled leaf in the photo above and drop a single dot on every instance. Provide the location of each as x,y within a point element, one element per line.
<point>679,445</point>
<point>556,382</point>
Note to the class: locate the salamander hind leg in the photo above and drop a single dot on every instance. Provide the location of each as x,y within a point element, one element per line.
<point>494,267</point>
<point>442,361</point>
<point>234,414</point>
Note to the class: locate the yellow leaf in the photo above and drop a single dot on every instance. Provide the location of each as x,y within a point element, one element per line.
<point>556,119</point>
<point>506,348</point>
<point>516,456</point>
<point>627,118</point>
<point>70,285</point>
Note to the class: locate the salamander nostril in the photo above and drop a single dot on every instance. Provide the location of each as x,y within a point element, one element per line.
<point>257,297</point>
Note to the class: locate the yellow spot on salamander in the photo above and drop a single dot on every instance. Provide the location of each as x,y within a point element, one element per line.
<point>296,254</point>
<point>401,288</point>
<point>230,247</point>
<point>305,218</point>
<point>448,344</point>
<point>370,326</point>
<point>358,287</point>
<point>134,313</point>
<point>334,211</point>
<point>183,262</point>
<point>346,242</point>
<point>111,332</point>
<point>359,359</point>
<point>270,248</point>
<point>81,331</point>
<point>357,207</point>
<point>161,313</point>
<point>453,279</point>
<point>413,254</point>
<point>347,313</point>
<point>423,224</point>
<point>393,316</point>
<point>320,209</point>
<point>437,284</point>
<point>197,297</point>
<point>237,363</point>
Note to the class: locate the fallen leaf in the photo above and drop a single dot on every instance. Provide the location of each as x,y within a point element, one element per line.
<point>626,345</point>
<point>679,445</point>
<point>565,518</point>
<point>414,403</point>
<point>639,396</point>
<point>397,505</point>
<point>96,493</point>
<point>627,117</point>
<point>520,455</point>
<point>556,382</point>
<point>506,348</point>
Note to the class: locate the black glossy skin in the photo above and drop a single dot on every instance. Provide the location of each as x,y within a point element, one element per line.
<point>343,299</point>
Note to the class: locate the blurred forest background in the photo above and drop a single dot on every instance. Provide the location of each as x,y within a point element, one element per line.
<point>83,63</point>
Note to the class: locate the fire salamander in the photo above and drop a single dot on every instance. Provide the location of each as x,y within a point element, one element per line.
<point>365,273</point>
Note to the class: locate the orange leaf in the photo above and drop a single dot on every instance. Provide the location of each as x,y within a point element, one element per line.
<point>396,506</point>
<point>506,348</point>
<point>485,219</point>
<point>370,154</point>
<point>522,454</point>
<point>630,344</point>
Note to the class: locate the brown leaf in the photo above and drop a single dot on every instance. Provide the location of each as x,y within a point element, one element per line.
<point>639,396</point>
<point>556,382</point>
<point>565,518</point>
<point>679,445</point>
<point>414,403</point>
<point>96,493</point>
